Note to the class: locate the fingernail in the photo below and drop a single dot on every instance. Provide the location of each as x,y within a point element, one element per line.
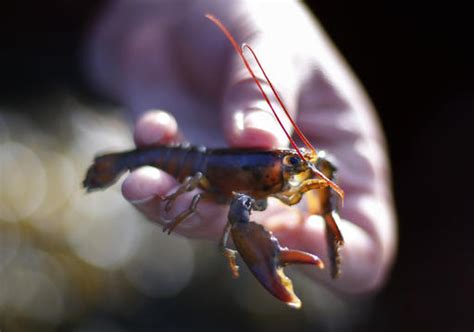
<point>142,185</point>
<point>153,126</point>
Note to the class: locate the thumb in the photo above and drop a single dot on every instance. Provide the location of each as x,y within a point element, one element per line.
<point>248,118</point>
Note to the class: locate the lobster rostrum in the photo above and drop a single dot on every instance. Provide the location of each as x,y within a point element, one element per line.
<point>245,179</point>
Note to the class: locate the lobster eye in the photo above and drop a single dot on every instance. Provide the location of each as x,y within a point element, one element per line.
<point>292,160</point>
<point>248,203</point>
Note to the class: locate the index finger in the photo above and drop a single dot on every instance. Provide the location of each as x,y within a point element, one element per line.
<point>249,119</point>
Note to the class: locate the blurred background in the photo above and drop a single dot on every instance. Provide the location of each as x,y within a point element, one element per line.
<point>69,262</point>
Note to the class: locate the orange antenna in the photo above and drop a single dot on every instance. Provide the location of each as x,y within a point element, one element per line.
<point>282,105</point>
<point>247,65</point>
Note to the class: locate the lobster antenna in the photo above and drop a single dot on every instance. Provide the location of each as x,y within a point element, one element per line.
<point>229,36</point>
<point>280,101</point>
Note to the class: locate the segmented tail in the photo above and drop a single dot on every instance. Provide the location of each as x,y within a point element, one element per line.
<point>105,171</point>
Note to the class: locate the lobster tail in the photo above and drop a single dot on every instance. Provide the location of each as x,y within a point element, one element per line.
<point>105,171</point>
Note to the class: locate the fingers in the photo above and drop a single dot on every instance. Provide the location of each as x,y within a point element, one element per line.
<point>337,116</point>
<point>146,187</point>
<point>154,128</point>
<point>363,268</point>
<point>248,121</point>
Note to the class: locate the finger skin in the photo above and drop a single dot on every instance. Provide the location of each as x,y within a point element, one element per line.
<point>361,266</point>
<point>154,128</point>
<point>146,186</point>
<point>336,114</point>
<point>146,183</point>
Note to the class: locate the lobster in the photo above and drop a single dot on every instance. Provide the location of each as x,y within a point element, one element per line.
<point>245,179</point>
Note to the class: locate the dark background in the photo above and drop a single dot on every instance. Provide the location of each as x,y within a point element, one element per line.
<point>416,64</point>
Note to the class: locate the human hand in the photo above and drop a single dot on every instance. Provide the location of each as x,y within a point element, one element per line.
<point>167,56</point>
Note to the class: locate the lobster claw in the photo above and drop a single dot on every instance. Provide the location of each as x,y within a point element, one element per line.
<point>263,254</point>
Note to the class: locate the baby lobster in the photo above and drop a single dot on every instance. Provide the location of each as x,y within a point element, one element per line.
<point>256,175</point>
<point>245,178</point>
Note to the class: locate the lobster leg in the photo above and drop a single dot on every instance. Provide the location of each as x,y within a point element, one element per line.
<point>189,184</point>
<point>324,202</point>
<point>171,224</point>
<point>229,253</point>
<point>335,242</point>
<point>294,195</point>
